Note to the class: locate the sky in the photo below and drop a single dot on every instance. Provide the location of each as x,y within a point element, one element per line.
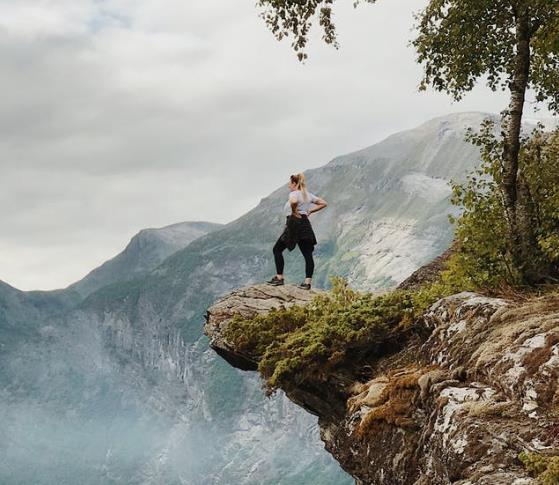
<point>120,115</point>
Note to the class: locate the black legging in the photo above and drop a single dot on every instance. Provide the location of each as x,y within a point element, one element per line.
<point>306,248</point>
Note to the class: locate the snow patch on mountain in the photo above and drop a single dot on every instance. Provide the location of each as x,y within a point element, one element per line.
<point>421,185</point>
<point>395,249</point>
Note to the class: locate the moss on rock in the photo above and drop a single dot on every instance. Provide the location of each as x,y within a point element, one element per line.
<point>545,468</point>
<point>299,343</point>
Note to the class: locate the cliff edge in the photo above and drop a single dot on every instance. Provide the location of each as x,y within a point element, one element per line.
<point>469,393</point>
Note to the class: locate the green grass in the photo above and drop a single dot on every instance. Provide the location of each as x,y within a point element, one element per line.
<point>308,342</point>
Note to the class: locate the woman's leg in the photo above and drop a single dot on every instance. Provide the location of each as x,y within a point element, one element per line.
<point>307,248</point>
<point>278,249</point>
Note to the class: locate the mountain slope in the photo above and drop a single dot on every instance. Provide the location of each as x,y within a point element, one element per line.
<point>144,252</point>
<point>387,214</point>
<point>21,312</point>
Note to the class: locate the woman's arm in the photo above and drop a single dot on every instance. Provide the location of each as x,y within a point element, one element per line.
<point>319,204</point>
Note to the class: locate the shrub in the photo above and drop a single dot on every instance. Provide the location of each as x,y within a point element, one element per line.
<point>545,468</point>
<point>336,327</point>
<point>483,257</point>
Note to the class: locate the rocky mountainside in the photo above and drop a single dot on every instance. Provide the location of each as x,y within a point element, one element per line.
<point>145,251</point>
<point>127,372</point>
<point>21,312</point>
<point>387,215</point>
<point>476,386</point>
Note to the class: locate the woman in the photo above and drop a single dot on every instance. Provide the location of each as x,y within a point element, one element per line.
<point>298,230</point>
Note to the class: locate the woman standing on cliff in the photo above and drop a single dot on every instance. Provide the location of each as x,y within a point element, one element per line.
<point>298,230</point>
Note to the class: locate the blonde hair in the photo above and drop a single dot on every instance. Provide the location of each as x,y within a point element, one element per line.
<point>301,183</point>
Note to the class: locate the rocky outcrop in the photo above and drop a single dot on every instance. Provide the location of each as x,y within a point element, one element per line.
<point>321,399</point>
<point>457,406</point>
<point>248,302</point>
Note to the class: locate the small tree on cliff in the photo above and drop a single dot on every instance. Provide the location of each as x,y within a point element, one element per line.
<point>513,44</point>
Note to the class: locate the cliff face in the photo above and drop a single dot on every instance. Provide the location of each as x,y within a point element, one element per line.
<point>474,387</point>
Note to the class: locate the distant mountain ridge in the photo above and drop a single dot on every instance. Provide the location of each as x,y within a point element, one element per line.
<point>144,252</point>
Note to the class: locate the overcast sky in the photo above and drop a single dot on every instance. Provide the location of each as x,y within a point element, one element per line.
<point>125,114</point>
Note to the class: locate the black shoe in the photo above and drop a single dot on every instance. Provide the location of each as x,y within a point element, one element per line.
<point>305,286</point>
<point>275,281</point>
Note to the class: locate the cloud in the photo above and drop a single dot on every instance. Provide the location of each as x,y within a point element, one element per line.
<point>121,114</point>
<point>31,20</point>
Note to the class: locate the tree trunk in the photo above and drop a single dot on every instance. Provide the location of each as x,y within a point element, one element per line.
<point>518,86</point>
<point>526,218</point>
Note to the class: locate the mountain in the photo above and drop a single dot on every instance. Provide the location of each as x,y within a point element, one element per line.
<point>144,252</point>
<point>123,386</point>
<point>22,311</point>
<point>387,215</point>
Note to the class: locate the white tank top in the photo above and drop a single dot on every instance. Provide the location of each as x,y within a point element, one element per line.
<point>303,205</point>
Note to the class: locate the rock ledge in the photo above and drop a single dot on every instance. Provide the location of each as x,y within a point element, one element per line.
<point>456,407</point>
<point>248,302</point>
